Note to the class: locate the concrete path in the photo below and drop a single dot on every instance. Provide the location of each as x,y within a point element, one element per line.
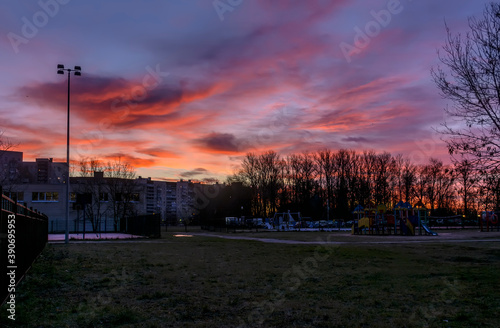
<point>322,238</point>
<point>325,240</point>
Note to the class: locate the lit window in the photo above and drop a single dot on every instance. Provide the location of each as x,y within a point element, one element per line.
<point>52,196</point>
<point>45,196</point>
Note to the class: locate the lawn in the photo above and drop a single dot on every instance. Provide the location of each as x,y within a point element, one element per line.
<point>212,282</point>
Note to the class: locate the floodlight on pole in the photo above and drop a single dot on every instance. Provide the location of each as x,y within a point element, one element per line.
<point>60,70</point>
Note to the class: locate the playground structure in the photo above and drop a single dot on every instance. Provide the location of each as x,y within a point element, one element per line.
<point>286,220</point>
<point>489,220</point>
<point>281,221</point>
<point>404,220</point>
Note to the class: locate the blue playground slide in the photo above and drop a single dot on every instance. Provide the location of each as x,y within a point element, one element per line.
<point>429,231</point>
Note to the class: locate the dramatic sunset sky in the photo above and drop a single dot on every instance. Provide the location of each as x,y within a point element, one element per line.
<point>185,88</point>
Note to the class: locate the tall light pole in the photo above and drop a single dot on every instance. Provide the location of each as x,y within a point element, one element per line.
<point>60,70</point>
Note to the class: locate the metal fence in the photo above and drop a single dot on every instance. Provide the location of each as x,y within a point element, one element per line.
<point>58,226</point>
<point>23,236</point>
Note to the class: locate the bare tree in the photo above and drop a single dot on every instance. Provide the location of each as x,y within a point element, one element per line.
<point>5,143</point>
<point>369,163</point>
<point>326,170</point>
<point>409,176</point>
<point>383,179</point>
<point>431,173</point>
<point>490,190</point>
<point>90,166</point>
<point>271,169</point>
<point>301,171</point>
<point>436,184</point>
<point>398,162</point>
<point>472,83</point>
<point>122,189</point>
<point>249,174</point>
<point>445,193</point>
<point>113,188</point>
<point>466,178</point>
<point>421,183</point>
<point>6,176</point>
<point>94,210</point>
<point>344,168</point>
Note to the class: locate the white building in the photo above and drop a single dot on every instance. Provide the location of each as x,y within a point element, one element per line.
<point>42,185</point>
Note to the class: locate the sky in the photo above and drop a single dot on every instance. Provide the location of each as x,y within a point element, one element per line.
<point>183,89</point>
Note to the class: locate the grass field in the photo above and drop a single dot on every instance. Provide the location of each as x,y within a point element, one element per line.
<point>212,282</point>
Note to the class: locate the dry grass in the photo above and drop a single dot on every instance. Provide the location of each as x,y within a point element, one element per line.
<point>210,282</point>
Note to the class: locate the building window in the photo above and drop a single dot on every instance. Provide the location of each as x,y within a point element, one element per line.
<point>19,196</point>
<point>45,196</point>
<point>52,196</point>
<point>37,196</point>
<point>135,197</point>
<point>103,197</point>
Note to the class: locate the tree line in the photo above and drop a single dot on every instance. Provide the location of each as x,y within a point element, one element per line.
<point>331,183</point>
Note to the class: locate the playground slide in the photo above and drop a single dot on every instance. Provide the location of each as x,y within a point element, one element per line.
<point>410,228</point>
<point>429,231</point>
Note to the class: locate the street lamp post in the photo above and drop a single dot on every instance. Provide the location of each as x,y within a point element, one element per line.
<point>60,70</point>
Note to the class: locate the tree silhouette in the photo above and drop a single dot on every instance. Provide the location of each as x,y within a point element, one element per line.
<point>470,79</point>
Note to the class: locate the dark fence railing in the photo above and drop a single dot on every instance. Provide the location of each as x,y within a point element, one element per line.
<point>58,226</point>
<point>142,225</point>
<point>23,236</point>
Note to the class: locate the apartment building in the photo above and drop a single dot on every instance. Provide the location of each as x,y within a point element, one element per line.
<point>42,185</point>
